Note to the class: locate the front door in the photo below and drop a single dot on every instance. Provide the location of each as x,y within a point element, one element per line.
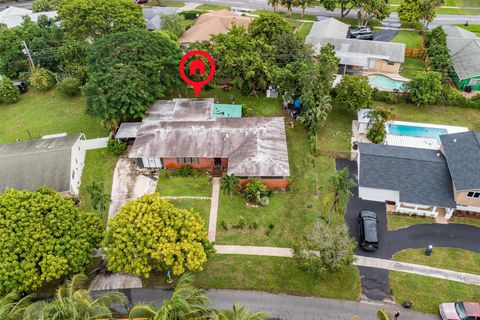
<point>217,163</point>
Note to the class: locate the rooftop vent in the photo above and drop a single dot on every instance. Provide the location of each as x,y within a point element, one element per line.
<point>454,140</point>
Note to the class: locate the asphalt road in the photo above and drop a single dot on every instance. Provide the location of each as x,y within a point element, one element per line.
<point>375,282</point>
<point>282,306</point>
<point>385,35</point>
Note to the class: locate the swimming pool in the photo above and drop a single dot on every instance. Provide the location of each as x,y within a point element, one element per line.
<point>385,83</point>
<point>415,131</point>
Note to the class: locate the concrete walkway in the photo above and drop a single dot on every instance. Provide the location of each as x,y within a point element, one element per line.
<point>188,6</point>
<point>212,222</point>
<point>185,197</point>
<point>362,262</point>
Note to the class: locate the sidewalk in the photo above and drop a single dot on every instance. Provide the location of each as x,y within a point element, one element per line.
<point>212,222</point>
<point>362,262</point>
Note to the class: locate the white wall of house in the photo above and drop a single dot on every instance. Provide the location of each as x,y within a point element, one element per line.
<point>77,164</point>
<point>379,195</point>
<point>468,208</point>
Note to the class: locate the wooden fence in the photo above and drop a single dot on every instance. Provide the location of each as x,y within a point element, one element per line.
<point>414,52</point>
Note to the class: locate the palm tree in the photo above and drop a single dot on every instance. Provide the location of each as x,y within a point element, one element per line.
<point>288,4</point>
<point>241,313</point>
<point>73,302</point>
<point>274,4</point>
<point>341,194</point>
<point>228,183</point>
<point>304,4</point>
<point>315,116</point>
<point>12,306</point>
<point>187,302</point>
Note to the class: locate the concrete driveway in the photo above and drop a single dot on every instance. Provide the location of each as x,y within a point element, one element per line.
<point>375,282</point>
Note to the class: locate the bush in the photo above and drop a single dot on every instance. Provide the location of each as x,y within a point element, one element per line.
<point>173,23</point>
<point>192,14</point>
<point>255,190</point>
<point>354,92</point>
<point>425,88</point>
<point>41,79</point>
<point>116,147</point>
<point>69,86</point>
<point>9,93</point>
<point>453,97</point>
<point>224,225</point>
<point>44,5</point>
<point>385,96</point>
<point>185,171</point>
<point>474,102</point>
<point>166,174</point>
<point>247,111</point>
<point>241,223</point>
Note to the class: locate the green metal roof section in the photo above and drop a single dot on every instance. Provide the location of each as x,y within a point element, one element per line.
<point>226,111</point>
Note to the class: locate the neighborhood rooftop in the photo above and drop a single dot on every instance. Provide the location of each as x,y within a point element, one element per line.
<point>254,146</point>
<point>462,151</point>
<point>420,175</point>
<point>31,164</point>
<point>464,49</point>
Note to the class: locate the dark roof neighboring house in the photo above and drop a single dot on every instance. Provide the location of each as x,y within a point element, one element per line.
<point>32,164</point>
<point>254,146</point>
<point>462,151</point>
<point>464,47</point>
<point>420,175</point>
<point>153,16</point>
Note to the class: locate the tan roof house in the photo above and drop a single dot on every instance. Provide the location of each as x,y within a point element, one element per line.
<point>213,23</point>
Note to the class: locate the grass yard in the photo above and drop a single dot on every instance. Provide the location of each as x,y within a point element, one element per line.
<point>296,16</point>
<point>272,274</point>
<point>411,66</point>
<point>475,28</point>
<point>427,293</point>
<point>443,258</point>
<point>161,3</point>
<point>99,167</point>
<point>462,3</point>
<point>185,186</point>
<point>200,206</point>
<point>459,11</point>
<point>399,221</point>
<point>436,114</point>
<point>40,113</point>
<point>465,220</point>
<point>207,6</point>
<point>304,29</point>
<point>410,38</point>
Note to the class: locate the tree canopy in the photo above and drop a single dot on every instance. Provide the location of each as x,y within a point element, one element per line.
<point>127,72</point>
<point>425,87</point>
<point>354,92</point>
<point>150,234</point>
<point>84,19</point>
<point>44,237</point>
<point>269,27</point>
<point>411,11</point>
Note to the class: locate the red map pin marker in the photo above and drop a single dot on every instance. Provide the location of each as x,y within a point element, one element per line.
<point>195,65</point>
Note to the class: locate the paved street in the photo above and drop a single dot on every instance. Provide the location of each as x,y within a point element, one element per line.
<point>284,307</point>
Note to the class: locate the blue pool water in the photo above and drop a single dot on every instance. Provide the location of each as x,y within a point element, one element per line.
<point>384,82</point>
<point>425,132</point>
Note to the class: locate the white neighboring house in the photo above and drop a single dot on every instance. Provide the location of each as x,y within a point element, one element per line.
<point>423,181</point>
<point>56,161</point>
<point>13,16</point>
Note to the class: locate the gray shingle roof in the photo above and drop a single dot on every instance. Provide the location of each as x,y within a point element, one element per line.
<point>330,28</point>
<point>420,175</point>
<point>32,164</point>
<point>462,151</point>
<point>464,49</point>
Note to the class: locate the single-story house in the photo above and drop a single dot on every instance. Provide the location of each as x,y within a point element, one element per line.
<point>13,16</point>
<point>153,16</point>
<point>213,23</point>
<point>464,47</point>
<point>212,137</point>
<point>55,161</point>
<point>423,181</point>
<point>356,55</point>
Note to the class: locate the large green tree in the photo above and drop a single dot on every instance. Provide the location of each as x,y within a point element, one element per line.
<point>354,92</point>
<point>372,9</point>
<point>425,88</point>
<point>74,302</point>
<point>324,248</point>
<point>150,234</point>
<point>269,27</point>
<point>127,72</point>
<point>44,237</point>
<point>91,19</point>
<point>412,11</point>
<point>345,5</point>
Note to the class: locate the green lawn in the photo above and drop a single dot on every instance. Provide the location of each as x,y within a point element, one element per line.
<point>427,293</point>
<point>304,29</point>
<point>462,3</point>
<point>399,221</point>
<point>99,167</point>
<point>185,186</point>
<point>411,66</point>
<point>472,27</point>
<point>208,6</point>
<point>162,3</point>
<point>459,11</point>
<point>40,113</point>
<point>443,258</point>
<point>410,38</point>
<point>200,206</point>
<point>296,16</point>
<point>272,274</point>
<point>465,220</point>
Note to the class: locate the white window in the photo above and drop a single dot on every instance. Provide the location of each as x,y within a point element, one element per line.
<point>474,195</point>
<point>474,82</point>
<point>187,160</point>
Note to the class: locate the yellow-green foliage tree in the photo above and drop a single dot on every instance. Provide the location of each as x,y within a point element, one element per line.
<point>43,237</point>
<point>150,233</point>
